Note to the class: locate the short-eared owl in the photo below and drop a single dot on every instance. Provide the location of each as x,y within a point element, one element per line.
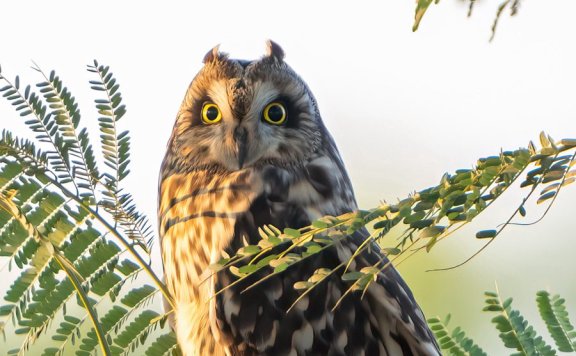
<point>249,148</point>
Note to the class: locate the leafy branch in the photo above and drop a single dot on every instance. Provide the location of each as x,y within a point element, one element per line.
<point>454,342</point>
<point>423,5</point>
<point>29,103</point>
<point>58,194</point>
<point>428,216</point>
<point>116,153</point>
<point>553,311</point>
<point>67,116</point>
<point>515,331</point>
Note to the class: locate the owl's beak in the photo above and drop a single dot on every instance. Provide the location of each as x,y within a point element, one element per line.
<point>241,140</point>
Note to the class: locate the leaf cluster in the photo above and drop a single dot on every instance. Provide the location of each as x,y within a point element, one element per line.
<point>425,218</point>
<point>514,330</point>
<point>512,5</point>
<point>71,230</point>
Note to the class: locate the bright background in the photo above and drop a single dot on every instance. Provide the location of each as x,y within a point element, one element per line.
<point>403,107</point>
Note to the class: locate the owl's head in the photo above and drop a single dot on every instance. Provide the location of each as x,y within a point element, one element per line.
<point>238,114</point>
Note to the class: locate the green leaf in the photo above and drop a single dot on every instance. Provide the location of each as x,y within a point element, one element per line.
<point>302,285</point>
<point>292,232</point>
<point>352,276</point>
<point>432,231</point>
<point>421,7</point>
<point>249,250</point>
<point>455,342</point>
<point>515,332</point>
<point>163,345</point>
<point>486,234</point>
<point>553,311</point>
<point>135,329</point>
<point>545,197</point>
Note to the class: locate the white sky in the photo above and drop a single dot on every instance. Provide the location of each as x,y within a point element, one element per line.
<point>403,107</point>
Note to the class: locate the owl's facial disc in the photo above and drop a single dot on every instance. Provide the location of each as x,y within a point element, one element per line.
<point>242,114</point>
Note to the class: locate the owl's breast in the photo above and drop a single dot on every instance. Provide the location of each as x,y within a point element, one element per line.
<point>197,214</point>
<point>202,215</point>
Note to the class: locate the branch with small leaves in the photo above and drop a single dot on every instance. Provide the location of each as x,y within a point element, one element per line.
<point>514,330</point>
<point>423,5</point>
<point>428,216</point>
<point>58,193</point>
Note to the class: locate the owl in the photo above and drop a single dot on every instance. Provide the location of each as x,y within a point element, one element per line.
<point>249,148</point>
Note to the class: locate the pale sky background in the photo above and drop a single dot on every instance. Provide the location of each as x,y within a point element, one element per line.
<point>403,107</point>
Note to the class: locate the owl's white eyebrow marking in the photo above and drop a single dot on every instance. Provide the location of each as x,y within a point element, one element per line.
<point>264,93</point>
<point>218,92</point>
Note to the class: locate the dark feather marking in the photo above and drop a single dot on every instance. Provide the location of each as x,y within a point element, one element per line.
<point>283,150</point>
<point>195,111</point>
<point>372,348</point>
<point>321,180</point>
<point>206,214</point>
<point>406,350</point>
<point>276,185</point>
<point>244,63</point>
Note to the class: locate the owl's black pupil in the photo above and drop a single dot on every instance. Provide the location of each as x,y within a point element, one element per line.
<point>211,113</point>
<point>275,113</point>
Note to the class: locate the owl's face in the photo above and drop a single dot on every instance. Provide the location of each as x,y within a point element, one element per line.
<point>238,114</point>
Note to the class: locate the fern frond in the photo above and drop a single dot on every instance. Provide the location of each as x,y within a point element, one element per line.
<point>68,334</point>
<point>68,256</point>
<point>116,153</point>
<point>164,345</point>
<point>51,300</point>
<point>136,332</point>
<point>553,311</point>
<point>114,319</point>
<point>455,342</point>
<point>44,125</point>
<point>115,144</point>
<point>50,297</point>
<point>66,114</point>
<point>515,331</point>
<point>45,253</point>
<point>135,224</point>
<point>87,304</point>
<point>19,238</point>
<point>23,151</point>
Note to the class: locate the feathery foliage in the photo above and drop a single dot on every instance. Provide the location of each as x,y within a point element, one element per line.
<point>116,153</point>
<point>426,217</point>
<point>80,245</point>
<point>455,342</point>
<point>73,260</point>
<point>553,312</point>
<point>515,331</point>
<point>423,5</point>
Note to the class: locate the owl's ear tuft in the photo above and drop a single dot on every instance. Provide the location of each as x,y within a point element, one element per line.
<point>214,55</point>
<point>273,50</point>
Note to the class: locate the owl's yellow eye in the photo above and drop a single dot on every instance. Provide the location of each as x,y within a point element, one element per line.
<point>274,113</point>
<point>211,113</point>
